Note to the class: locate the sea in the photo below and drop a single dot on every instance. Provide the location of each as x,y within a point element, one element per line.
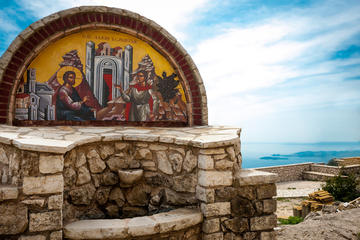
<point>274,154</point>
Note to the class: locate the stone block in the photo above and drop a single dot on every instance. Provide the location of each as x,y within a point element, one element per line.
<point>143,154</point>
<point>237,225</point>
<point>57,235</point>
<point>83,176</point>
<point>246,177</point>
<point>51,163</point>
<point>266,191</point>
<point>45,221</point>
<point>176,161</point>
<point>268,235</point>
<point>210,151</point>
<point>269,205</point>
<point>157,147</point>
<point>225,194</point>
<point>263,223</point>
<point>224,164</point>
<point>232,236</point>
<point>3,157</point>
<point>14,218</point>
<point>96,165</point>
<point>106,150</point>
<point>185,183</point>
<point>163,163</point>
<point>242,207</point>
<point>211,225</point>
<point>205,162</point>
<point>205,194</point>
<point>216,209</point>
<point>190,161</point>
<point>250,236</point>
<point>231,152</point>
<point>215,178</point>
<point>32,237</point>
<point>120,146</point>
<point>213,236</point>
<point>248,192</point>
<point>82,195</point>
<point>80,160</point>
<point>34,202</point>
<point>179,199</point>
<point>220,156</point>
<point>8,193</point>
<point>43,185</point>
<point>55,202</point>
<point>116,163</point>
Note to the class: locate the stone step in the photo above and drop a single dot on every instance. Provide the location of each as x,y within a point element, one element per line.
<point>166,222</point>
<point>317,176</point>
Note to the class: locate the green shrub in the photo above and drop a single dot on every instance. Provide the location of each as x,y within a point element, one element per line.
<point>332,162</point>
<point>291,220</point>
<point>342,188</point>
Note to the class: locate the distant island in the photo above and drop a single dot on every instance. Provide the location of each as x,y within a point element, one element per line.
<point>314,154</point>
<point>274,157</point>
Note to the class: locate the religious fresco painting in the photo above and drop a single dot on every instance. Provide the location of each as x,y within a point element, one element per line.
<point>100,75</point>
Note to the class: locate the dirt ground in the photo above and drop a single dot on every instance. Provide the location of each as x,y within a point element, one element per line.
<point>292,193</point>
<point>285,206</point>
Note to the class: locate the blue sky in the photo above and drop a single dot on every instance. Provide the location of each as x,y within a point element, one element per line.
<point>283,71</point>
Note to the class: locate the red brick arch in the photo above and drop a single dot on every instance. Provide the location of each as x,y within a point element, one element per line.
<point>29,43</point>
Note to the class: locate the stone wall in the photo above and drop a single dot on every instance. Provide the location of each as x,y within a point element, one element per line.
<point>304,171</point>
<point>291,172</point>
<point>131,172</point>
<point>31,199</point>
<point>128,179</point>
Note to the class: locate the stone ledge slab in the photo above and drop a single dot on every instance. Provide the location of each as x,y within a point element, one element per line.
<point>140,226</point>
<point>247,177</point>
<point>61,140</point>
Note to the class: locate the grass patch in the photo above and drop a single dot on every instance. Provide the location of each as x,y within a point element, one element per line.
<point>291,220</point>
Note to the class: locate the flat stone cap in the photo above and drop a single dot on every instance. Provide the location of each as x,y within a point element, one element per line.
<point>174,220</point>
<point>254,177</point>
<point>61,139</point>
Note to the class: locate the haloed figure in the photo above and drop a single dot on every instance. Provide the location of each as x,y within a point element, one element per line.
<point>141,95</point>
<point>69,105</point>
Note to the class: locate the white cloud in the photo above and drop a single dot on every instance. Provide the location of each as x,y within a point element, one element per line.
<point>6,24</point>
<point>172,15</point>
<point>269,72</point>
